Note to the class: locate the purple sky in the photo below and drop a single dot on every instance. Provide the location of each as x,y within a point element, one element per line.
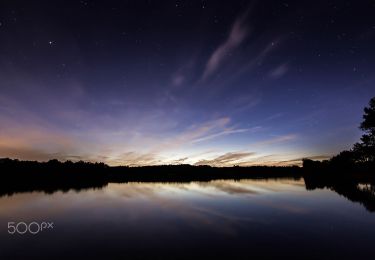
<point>199,82</point>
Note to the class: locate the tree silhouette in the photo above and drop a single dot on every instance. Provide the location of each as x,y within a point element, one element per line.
<point>361,158</point>
<point>365,150</point>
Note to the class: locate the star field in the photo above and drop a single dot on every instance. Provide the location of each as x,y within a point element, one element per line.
<point>198,82</point>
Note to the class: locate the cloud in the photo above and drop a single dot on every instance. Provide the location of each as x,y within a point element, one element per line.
<point>279,71</point>
<point>275,140</point>
<point>237,34</point>
<point>23,153</point>
<point>29,140</point>
<point>281,160</point>
<point>227,159</point>
<point>178,79</point>
<point>135,159</point>
<point>199,133</point>
<point>194,133</point>
<point>122,145</point>
<point>241,103</point>
<point>225,132</point>
<point>298,161</point>
<point>179,161</point>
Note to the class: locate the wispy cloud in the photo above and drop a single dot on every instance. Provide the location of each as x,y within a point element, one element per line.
<point>255,58</point>
<point>280,160</point>
<point>243,102</point>
<point>226,132</point>
<point>135,159</point>
<point>179,161</point>
<point>202,132</point>
<point>275,140</point>
<point>25,153</point>
<point>38,141</point>
<point>227,159</point>
<point>298,161</point>
<point>236,36</point>
<point>178,79</point>
<point>279,71</point>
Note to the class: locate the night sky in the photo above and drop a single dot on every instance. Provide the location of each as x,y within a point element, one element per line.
<point>198,82</point>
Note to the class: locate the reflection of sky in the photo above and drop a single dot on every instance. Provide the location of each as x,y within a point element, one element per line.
<point>217,215</point>
<point>219,82</point>
<point>199,197</point>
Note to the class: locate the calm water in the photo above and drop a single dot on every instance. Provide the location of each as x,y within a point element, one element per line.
<point>247,219</point>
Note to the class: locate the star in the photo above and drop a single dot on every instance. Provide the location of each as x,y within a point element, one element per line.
<point>50,42</point>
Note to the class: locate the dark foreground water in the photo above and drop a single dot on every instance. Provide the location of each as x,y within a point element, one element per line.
<point>247,219</point>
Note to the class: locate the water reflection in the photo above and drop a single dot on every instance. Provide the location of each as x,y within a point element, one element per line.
<point>223,218</point>
<point>355,191</point>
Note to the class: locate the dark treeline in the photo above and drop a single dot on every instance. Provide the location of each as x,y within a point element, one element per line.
<point>186,173</point>
<point>23,176</point>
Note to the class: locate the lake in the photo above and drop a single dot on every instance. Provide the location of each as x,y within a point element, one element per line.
<point>245,219</point>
